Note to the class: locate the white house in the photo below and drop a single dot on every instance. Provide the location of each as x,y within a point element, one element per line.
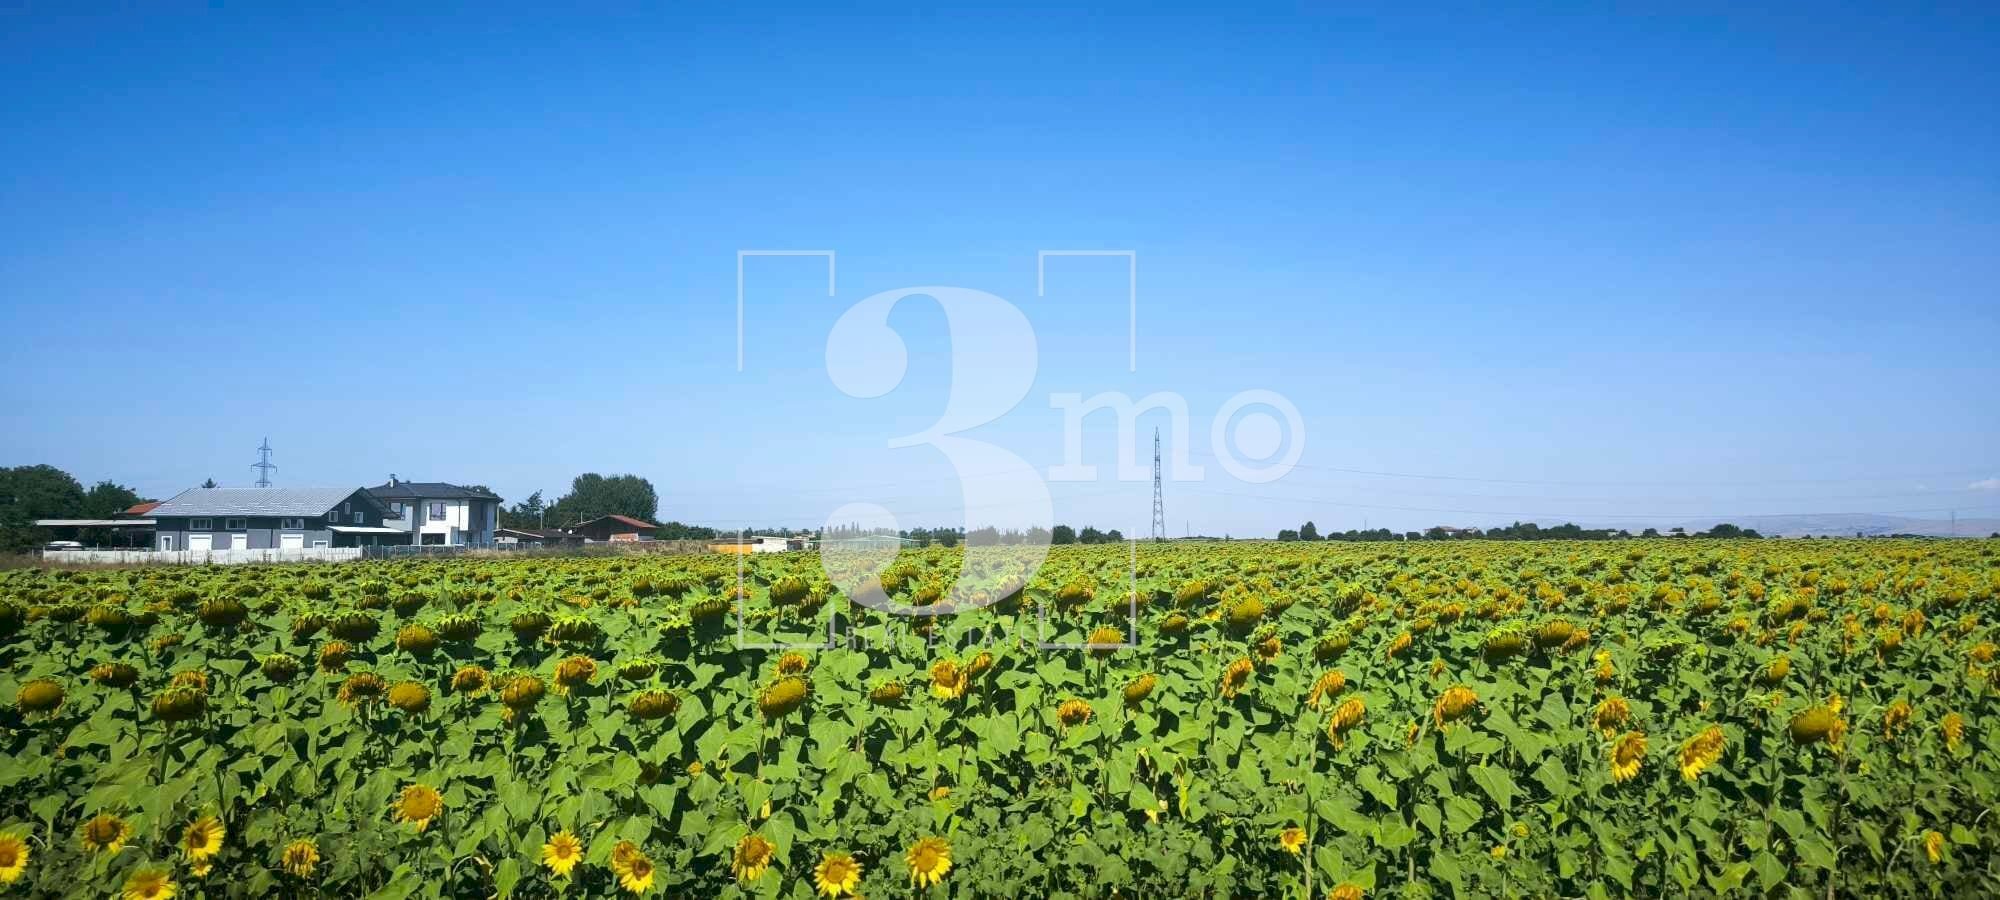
<point>438,514</point>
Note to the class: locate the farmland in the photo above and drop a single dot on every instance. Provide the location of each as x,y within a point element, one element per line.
<point>1632,718</point>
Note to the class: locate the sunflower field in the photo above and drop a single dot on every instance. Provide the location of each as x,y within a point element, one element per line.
<point>1469,719</point>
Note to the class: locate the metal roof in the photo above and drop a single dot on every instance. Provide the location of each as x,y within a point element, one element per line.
<point>91,523</point>
<point>364,529</point>
<point>286,502</point>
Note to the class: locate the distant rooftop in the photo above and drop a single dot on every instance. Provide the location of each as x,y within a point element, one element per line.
<point>428,490</point>
<point>285,502</point>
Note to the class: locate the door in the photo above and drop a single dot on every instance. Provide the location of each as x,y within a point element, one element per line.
<point>291,541</point>
<point>201,543</point>
<point>167,542</point>
<point>239,541</point>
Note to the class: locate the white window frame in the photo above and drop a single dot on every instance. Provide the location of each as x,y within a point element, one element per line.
<point>360,519</point>
<point>201,524</point>
<point>319,545</point>
<point>291,524</point>
<point>235,524</point>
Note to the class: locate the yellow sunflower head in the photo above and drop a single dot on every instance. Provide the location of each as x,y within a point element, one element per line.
<point>105,833</point>
<point>562,853</point>
<point>948,680</point>
<point>575,672</point>
<point>42,695</point>
<point>1934,847</point>
<point>521,692</point>
<point>634,869</point>
<point>1345,719</point>
<point>13,857</point>
<point>793,663</point>
<point>1896,718</point>
<point>149,884</point>
<point>1138,689</point>
<point>1952,726</point>
<point>1627,756</point>
<point>1611,715</point>
<point>300,858</point>
<point>837,875</point>
<point>1236,676</point>
<point>1701,751</point>
<point>418,805</point>
<point>410,697</point>
<point>783,697</point>
<point>1455,703</point>
<point>1073,712</point>
<point>469,680</point>
<point>1346,891</point>
<point>650,705</point>
<point>1105,640</point>
<point>929,859</point>
<point>1292,840</point>
<point>751,857</point>
<point>1819,725</point>
<point>203,838</point>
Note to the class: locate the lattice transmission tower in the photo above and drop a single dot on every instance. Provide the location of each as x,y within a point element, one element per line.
<point>1159,503</point>
<point>264,465</point>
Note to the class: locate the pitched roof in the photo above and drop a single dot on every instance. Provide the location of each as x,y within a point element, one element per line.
<point>286,502</point>
<point>428,490</point>
<point>625,520</point>
<point>140,509</point>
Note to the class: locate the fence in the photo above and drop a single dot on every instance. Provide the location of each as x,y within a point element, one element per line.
<point>199,557</point>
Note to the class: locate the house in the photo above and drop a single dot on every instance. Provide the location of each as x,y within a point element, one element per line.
<point>204,519</point>
<point>439,514</point>
<point>614,528</point>
<point>534,537</point>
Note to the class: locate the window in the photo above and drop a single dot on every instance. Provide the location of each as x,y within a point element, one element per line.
<point>201,524</point>
<point>318,544</point>
<point>437,510</point>
<point>235,524</point>
<point>292,524</point>
<point>358,519</point>
<point>396,507</point>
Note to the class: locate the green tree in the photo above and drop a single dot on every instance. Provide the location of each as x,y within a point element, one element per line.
<point>524,515</point>
<point>1308,532</point>
<point>28,493</point>
<point>592,495</point>
<point>1062,534</point>
<point>210,483</point>
<point>107,498</point>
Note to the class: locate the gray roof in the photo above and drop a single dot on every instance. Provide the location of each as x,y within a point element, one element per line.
<point>428,490</point>
<point>287,502</point>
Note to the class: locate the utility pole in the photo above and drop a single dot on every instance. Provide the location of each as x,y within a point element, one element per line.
<point>1159,505</point>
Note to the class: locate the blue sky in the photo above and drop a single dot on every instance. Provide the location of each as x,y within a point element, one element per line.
<point>1587,265</point>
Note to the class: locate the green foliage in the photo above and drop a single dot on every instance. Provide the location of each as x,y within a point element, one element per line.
<point>608,698</point>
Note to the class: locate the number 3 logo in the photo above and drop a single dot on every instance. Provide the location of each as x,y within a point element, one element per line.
<point>993,364</point>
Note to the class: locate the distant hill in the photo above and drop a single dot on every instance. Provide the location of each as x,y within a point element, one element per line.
<point>1834,524</point>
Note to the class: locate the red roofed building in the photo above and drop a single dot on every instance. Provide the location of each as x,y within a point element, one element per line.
<point>615,528</point>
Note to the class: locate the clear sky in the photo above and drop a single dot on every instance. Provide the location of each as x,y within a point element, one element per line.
<point>1617,267</point>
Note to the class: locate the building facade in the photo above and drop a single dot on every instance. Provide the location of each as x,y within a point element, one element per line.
<point>437,514</point>
<point>205,519</point>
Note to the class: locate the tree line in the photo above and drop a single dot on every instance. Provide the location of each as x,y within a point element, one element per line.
<point>1518,531</point>
<point>28,493</point>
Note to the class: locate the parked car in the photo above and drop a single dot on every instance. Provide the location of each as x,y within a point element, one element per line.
<point>62,545</point>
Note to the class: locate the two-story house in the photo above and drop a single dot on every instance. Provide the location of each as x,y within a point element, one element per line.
<point>440,514</point>
<point>205,519</point>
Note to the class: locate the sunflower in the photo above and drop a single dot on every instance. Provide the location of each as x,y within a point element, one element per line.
<point>521,692</point>
<point>280,667</point>
<point>469,680</point>
<point>1236,676</point>
<point>203,838</point>
<point>793,663</point>
<point>1895,719</point>
<point>1073,712</point>
<point>1344,719</point>
<point>752,857</point>
<point>149,884</point>
<point>979,665</point>
<point>783,697</point>
<point>1244,615</point>
<point>1292,840</point>
<point>1455,703</point>
<point>1270,647</point>
<point>1627,756</point>
<point>410,697</point>
<point>650,705</point>
<point>1346,891</point>
<point>562,853</point>
<point>948,680</point>
<point>1820,724</point>
<point>115,674</point>
<point>417,640</point>
<point>1774,672</point>
<point>42,695</point>
<point>837,874</point>
<point>1605,671</point>
<point>418,805</point>
<point>333,657</point>
<point>1952,726</point>
<point>1701,751</point>
<point>13,857</point>
<point>1934,847</point>
<point>300,858</point>
<point>105,833</point>
<point>1105,641</point>
<point>1138,689</point>
<point>929,859</point>
<point>1611,715</point>
<point>362,688</point>
<point>888,693</point>
<point>634,869</point>
<point>1396,647</point>
<point>574,672</point>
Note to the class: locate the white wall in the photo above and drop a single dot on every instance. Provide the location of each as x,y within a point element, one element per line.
<point>192,557</point>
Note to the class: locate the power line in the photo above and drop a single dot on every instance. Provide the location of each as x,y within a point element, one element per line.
<point>264,465</point>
